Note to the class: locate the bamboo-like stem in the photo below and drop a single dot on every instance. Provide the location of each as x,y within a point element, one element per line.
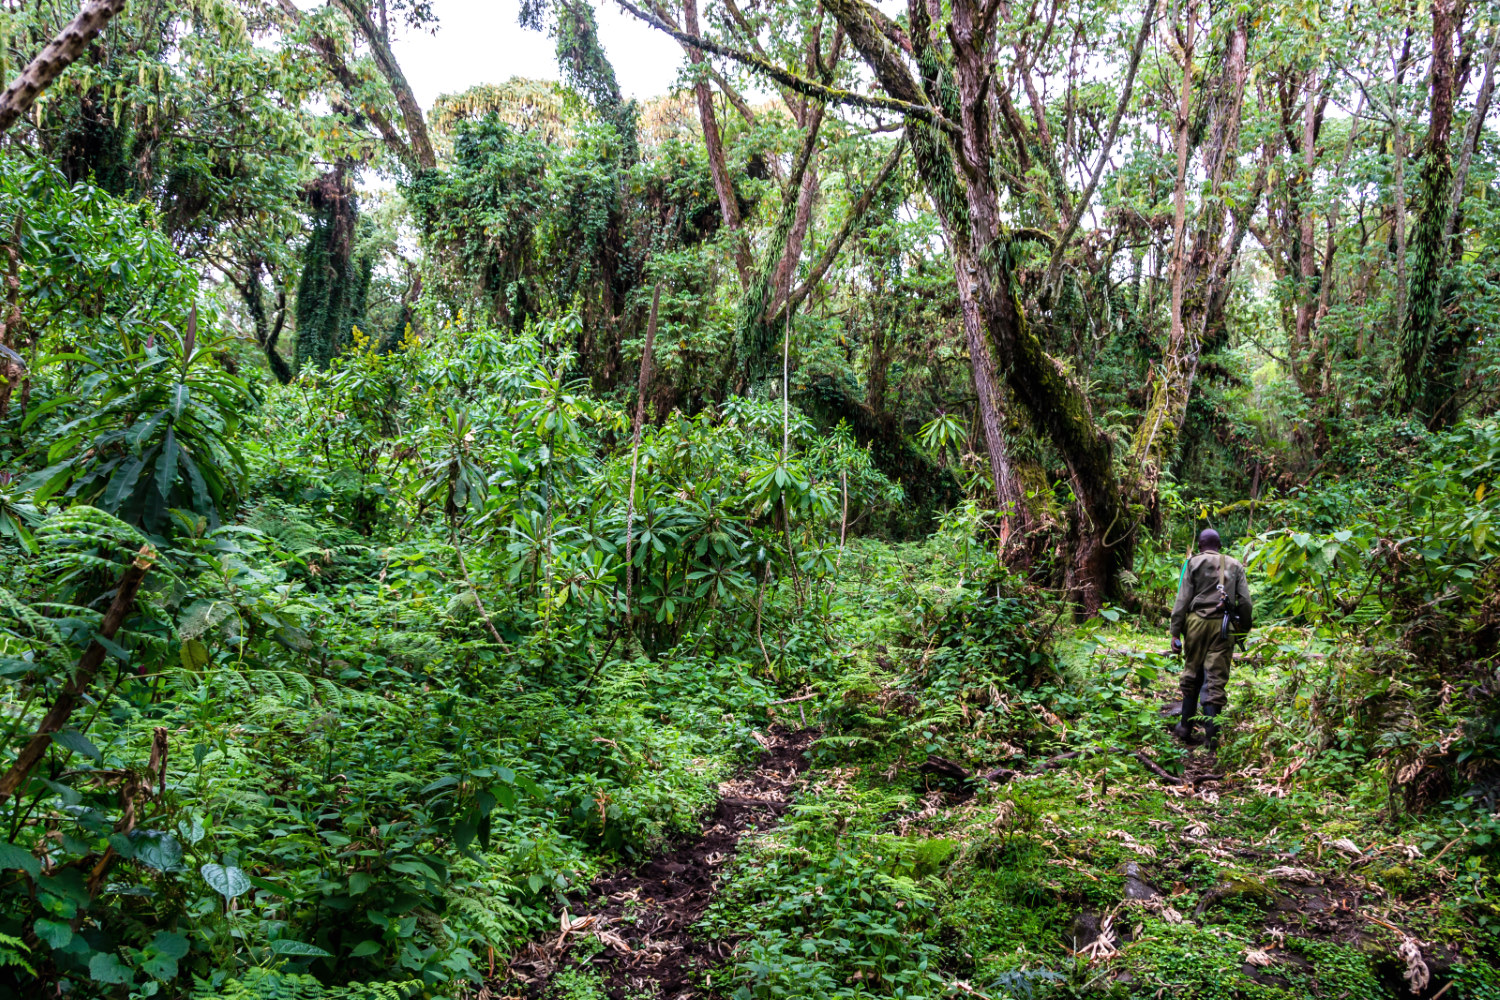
<point>635,444</point>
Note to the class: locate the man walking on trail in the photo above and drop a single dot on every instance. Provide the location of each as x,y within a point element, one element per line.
<point>1212,610</point>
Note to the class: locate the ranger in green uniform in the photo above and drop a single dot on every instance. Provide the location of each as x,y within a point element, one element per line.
<point>1212,610</point>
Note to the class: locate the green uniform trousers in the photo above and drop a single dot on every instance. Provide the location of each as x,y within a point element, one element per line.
<point>1206,656</point>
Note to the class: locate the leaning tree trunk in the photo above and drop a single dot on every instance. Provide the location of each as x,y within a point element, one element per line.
<point>713,141</point>
<point>969,210</point>
<point>267,333</point>
<point>757,337</point>
<point>419,142</point>
<point>76,689</point>
<point>59,54</point>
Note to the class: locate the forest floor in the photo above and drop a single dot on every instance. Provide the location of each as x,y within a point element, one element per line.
<point>1045,842</point>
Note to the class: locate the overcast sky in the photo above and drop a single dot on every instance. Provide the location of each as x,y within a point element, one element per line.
<point>479,41</point>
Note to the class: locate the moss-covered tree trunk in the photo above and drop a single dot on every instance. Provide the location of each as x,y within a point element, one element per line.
<point>329,293</point>
<point>1418,389</point>
<point>956,169</point>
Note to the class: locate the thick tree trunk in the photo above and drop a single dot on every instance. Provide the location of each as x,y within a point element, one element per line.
<point>1156,438</point>
<point>1010,497</point>
<point>944,149</point>
<point>969,210</point>
<point>56,57</point>
<point>713,142</point>
<point>1307,256</point>
<point>1416,388</point>
<point>328,293</point>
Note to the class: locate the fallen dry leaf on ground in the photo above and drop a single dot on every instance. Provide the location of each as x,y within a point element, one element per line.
<point>1348,846</point>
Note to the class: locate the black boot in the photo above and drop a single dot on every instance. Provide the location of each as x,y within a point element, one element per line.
<point>1184,728</point>
<point>1211,726</point>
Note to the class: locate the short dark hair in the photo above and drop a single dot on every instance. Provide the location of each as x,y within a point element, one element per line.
<point>1208,538</point>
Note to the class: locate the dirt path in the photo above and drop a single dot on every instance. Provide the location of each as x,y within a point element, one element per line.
<point>643,917</point>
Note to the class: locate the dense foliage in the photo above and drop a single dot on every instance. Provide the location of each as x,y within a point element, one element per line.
<point>407,517</point>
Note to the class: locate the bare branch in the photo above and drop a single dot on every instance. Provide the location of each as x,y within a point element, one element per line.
<point>792,81</point>
<point>56,57</point>
<point>1055,268</point>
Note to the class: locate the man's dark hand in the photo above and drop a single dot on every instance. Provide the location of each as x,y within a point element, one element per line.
<point>1176,645</point>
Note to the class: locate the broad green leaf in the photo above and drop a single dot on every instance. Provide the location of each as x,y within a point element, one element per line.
<point>55,933</point>
<point>12,856</point>
<point>193,654</point>
<point>227,880</point>
<point>48,481</point>
<point>298,949</point>
<point>141,430</point>
<point>122,483</point>
<point>157,848</point>
<point>201,500</point>
<point>166,464</point>
<point>106,967</point>
<point>160,967</point>
<point>191,829</point>
<point>71,739</point>
<point>171,944</point>
<point>35,413</point>
<point>178,400</point>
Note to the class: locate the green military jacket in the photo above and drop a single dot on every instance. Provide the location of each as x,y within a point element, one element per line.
<point>1199,590</point>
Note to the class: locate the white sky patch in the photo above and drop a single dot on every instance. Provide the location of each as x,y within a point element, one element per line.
<point>480,41</point>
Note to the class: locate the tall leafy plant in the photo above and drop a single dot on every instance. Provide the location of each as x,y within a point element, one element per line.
<point>156,432</point>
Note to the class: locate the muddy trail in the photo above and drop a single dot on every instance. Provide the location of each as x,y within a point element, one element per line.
<point>642,918</point>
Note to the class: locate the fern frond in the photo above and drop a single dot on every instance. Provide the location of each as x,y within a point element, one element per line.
<point>39,625</point>
<point>13,952</point>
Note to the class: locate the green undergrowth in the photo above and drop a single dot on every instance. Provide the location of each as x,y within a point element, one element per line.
<point>884,881</point>
<point>385,696</point>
